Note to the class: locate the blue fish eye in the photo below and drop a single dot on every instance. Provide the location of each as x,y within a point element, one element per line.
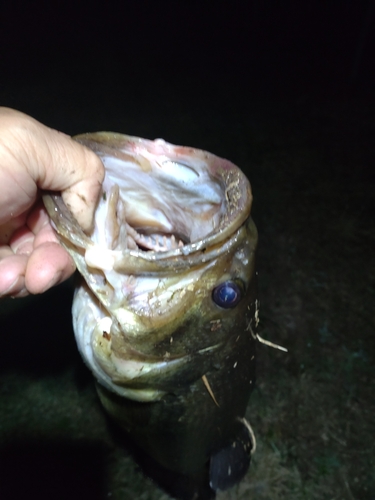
<point>227,295</point>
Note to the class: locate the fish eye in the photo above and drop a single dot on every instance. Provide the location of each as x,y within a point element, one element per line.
<point>227,295</point>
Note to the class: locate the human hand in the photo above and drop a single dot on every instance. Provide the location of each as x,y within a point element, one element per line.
<point>34,157</point>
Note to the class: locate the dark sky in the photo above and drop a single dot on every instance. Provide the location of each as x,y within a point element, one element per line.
<point>275,46</point>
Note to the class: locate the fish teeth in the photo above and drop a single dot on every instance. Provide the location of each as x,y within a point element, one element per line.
<point>155,242</point>
<point>157,247</point>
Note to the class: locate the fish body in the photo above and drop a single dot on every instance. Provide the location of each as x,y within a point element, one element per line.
<point>166,315</point>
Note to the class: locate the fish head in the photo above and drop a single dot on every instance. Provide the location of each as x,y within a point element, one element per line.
<point>168,267</point>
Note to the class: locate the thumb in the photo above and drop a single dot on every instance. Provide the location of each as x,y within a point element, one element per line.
<point>56,162</point>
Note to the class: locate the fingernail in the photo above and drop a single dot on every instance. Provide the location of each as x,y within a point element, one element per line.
<point>21,293</point>
<point>13,285</point>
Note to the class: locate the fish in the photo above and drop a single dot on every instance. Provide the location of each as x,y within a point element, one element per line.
<point>166,314</point>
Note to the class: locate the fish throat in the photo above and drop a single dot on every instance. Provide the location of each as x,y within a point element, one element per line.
<point>156,200</point>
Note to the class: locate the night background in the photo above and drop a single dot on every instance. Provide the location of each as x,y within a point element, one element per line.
<point>285,90</point>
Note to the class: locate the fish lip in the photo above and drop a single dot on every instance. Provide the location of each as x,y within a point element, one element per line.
<point>139,261</point>
<point>152,359</point>
<point>147,377</point>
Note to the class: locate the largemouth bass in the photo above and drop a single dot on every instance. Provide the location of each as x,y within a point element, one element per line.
<point>166,315</point>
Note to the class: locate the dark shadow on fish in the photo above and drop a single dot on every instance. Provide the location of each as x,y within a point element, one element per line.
<point>229,465</point>
<point>223,470</point>
<point>178,486</point>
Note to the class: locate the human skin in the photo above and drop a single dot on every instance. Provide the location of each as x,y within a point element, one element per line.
<point>33,158</point>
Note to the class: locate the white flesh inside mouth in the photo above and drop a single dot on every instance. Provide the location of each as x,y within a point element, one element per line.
<point>152,202</point>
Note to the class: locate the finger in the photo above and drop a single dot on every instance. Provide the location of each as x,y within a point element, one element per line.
<point>12,275</point>
<point>53,161</point>
<point>22,241</point>
<point>48,265</point>
<point>73,169</point>
<point>39,223</point>
<point>7,229</point>
<point>5,251</point>
<point>40,227</point>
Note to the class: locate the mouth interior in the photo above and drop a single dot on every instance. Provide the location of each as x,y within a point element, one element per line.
<point>152,202</point>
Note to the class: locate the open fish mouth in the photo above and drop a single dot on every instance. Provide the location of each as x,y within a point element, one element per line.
<point>171,223</point>
<point>162,198</point>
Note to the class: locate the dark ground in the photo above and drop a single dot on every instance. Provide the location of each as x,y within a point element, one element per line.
<point>286,93</point>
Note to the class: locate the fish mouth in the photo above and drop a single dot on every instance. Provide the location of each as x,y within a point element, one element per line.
<point>158,202</point>
<point>165,199</point>
<point>151,224</point>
